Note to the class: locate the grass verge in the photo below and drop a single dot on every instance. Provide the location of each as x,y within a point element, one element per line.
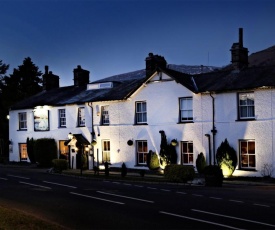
<point>11,219</point>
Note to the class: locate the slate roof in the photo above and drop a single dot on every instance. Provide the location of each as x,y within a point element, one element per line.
<point>126,84</point>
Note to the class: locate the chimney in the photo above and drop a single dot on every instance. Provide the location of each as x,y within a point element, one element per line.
<point>50,81</point>
<point>81,76</point>
<point>239,54</point>
<point>153,62</point>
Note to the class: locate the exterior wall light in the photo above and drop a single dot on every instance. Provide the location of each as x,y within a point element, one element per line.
<point>70,136</point>
<point>174,142</point>
<point>94,142</point>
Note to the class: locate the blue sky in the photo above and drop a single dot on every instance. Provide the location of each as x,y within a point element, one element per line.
<point>109,37</point>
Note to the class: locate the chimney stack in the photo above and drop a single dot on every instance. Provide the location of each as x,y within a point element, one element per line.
<point>50,81</point>
<point>81,76</point>
<point>239,54</point>
<point>153,62</point>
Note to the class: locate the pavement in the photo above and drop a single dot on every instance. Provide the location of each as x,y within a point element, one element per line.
<point>148,176</point>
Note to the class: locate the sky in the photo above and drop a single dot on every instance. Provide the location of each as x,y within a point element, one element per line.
<point>109,37</point>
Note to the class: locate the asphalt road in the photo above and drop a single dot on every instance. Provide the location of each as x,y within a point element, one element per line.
<point>79,203</point>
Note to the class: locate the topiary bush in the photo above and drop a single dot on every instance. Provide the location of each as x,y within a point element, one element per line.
<point>226,158</point>
<point>213,176</point>
<point>179,173</point>
<point>60,164</point>
<point>30,150</point>
<point>152,160</point>
<point>200,163</point>
<point>45,150</point>
<point>123,170</point>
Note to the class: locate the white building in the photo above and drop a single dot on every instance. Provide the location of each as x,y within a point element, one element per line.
<point>200,111</point>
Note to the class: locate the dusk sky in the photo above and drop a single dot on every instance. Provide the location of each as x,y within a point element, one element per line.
<point>109,37</point>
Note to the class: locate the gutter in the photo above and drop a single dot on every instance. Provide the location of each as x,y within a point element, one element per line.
<point>214,130</point>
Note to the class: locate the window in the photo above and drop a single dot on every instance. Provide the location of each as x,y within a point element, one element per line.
<point>22,121</point>
<point>106,151</point>
<point>105,115</point>
<point>142,151</point>
<point>81,116</point>
<point>23,152</point>
<point>62,117</point>
<point>141,112</point>
<point>186,109</point>
<point>187,156</point>
<point>246,106</point>
<point>247,152</point>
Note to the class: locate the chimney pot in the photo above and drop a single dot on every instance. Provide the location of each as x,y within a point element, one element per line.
<point>46,69</point>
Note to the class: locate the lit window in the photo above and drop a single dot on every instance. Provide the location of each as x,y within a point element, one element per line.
<point>81,116</point>
<point>62,117</point>
<point>247,154</point>
<point>186,109</point>
<point>22,121</point>
<point>23,152</point>
<point>142,151</point>
<point>106,151</point>
<point>187,155</point>
<point>105,115</point>
<point>246,106</point>
<point>141,112</point>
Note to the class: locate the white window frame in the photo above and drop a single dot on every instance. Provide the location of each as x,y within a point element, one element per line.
<point>141,112</point>
<point>81,116</point>
<point>105,115</point>
<point>247,154</point>
<point>106,151</point>
<point>62,117</point>
<point>189,153</point>
<point>246,105</point>
<point>186,109</point>
<point>22,117</point>
<point>142,151</point>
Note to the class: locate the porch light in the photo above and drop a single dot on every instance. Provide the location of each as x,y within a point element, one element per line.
<point>94,142</point>
<point>70,136</point>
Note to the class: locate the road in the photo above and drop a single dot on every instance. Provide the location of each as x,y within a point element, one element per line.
<point>79,203</point>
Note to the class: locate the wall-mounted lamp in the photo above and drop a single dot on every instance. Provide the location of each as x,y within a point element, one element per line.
<point>70,136</point>
<point>94,142</point>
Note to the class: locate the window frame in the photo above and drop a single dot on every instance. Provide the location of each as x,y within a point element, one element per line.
<point>106,153</point>
<point>188,110</point>
<point>141,116</point>
<point>105,118</point>
<point>246,106</point>
<point>143,154</point>
<point>22,121</point>
<point>62,119</point>
<point>188,154</point>
<point>81,117</point>
<point>249,154</point>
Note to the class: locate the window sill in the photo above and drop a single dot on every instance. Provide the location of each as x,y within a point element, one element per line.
<point>141,124</point>
<point>140,165</point>
<point>249,119</point>
<point>22,130</point>
<point>62,127</point>
<point>185,122</point>
<point>244,169</point>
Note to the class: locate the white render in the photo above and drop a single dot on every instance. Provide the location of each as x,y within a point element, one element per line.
<point>162,98</point>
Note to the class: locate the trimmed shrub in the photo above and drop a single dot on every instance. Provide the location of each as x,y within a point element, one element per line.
<point>213,176</point>
<point>179,173</point>
<point>45,151</point>
<point>200,163</point>
<point>30,150</point>
<point>123,170</point>
<point>226,158</point>
<point>60,164</point>
<point>152,160</point>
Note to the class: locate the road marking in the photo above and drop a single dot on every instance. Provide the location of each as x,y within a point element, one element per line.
<point>128,197</point>
<point>69,186</point>
<point>139,186</point>
<point>181,193</point>
<point>96,198</point>
<point>127,184</point>
<point>21,177</point>
<point>151,188</point>
<point>196,195</point>
<point>232,217</point>
<point>1,178</point>
<point>116,182</point>
<point>262,205</point>
<point>166,190</point>
<point>195,219</point>
<point>36,185</point>
<point>237,201</point>
<point>216,198</point>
